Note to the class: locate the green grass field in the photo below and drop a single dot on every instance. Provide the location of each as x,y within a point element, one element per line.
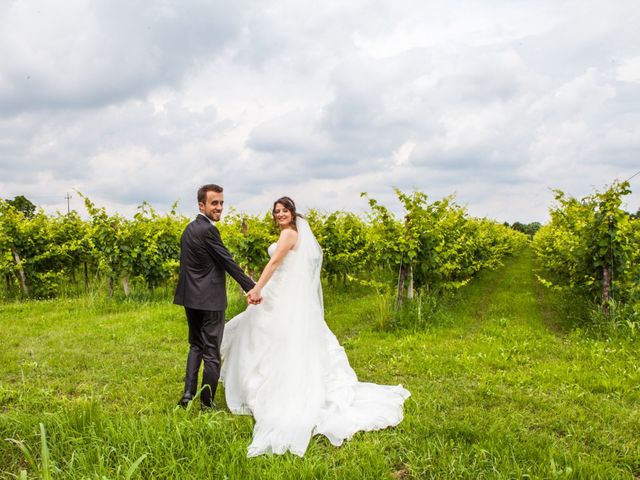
<point>503,386</point>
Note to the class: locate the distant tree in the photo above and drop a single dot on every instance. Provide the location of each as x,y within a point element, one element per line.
<point>24,205</point>
<point>527,228</point>
<point>534,227</point>
<point>520,227</point>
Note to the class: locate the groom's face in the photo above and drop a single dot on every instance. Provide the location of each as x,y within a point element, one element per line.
<point>212,207</point>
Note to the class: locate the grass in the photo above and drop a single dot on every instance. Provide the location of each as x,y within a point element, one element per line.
<point>503,386</point>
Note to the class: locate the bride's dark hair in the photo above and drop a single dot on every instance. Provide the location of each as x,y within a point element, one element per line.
<point>289,204</point>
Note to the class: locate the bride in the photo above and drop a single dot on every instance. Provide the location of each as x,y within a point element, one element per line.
<point>285,367</point>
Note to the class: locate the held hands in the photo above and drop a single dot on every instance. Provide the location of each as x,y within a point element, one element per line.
<point>254,296</point>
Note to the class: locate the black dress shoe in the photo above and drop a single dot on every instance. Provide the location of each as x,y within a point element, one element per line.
<point>184,401</point>
<point>211,405</point>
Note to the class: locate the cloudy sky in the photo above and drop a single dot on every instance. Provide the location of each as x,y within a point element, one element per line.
<point>497,102</point>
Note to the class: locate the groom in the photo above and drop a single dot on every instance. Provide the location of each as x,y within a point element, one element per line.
<point>202,291</point>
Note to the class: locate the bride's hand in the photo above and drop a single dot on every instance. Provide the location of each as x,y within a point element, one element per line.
<point>257,295</point>
<point>254,296</point>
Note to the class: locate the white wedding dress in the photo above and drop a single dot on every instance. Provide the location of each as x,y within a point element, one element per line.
<point>283,365</point>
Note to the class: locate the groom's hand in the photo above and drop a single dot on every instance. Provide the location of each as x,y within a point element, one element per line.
<point>254,296</point>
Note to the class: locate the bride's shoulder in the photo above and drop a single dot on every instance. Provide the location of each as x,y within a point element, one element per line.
<point>288,235</point>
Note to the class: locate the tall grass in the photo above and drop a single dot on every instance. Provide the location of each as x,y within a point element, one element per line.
<point>503,386</point>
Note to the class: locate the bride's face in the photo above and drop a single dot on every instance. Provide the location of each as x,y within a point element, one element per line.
<point>282,215</point>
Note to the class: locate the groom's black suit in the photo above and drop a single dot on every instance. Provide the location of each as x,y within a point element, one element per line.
<point>202,290</point>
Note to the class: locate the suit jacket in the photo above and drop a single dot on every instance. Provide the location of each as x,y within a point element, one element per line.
<point>203,262</point>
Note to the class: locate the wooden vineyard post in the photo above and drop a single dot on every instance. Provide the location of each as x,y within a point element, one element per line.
<point>21,275</point>
<point>606,288</point>
<point>402,275</point>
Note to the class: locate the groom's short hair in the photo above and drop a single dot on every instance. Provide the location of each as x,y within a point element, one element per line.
<point>210,187</point>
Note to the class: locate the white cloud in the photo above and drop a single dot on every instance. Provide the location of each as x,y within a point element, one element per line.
<point>85,54</point>
<point>629,71</point>
<point>495,101</point>
<point>402,155</point>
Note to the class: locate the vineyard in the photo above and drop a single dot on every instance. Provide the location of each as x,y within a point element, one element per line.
<point>433,246</point>
<point>590,247</point>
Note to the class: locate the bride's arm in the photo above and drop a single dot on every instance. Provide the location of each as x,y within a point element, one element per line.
<point>286,242</point>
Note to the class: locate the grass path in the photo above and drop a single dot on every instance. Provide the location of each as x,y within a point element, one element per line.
<point>498,393</point>
<point>501,388</point>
